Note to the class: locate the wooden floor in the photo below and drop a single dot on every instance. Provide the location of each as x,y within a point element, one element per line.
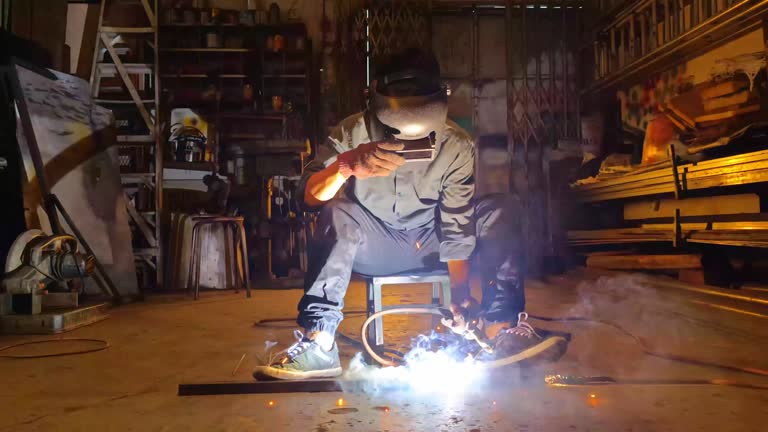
<point>171,339</point>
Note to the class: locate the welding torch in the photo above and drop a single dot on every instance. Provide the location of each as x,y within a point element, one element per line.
<point>469,331</point>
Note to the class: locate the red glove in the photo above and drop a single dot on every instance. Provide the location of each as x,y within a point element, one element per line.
<point>375,159</point>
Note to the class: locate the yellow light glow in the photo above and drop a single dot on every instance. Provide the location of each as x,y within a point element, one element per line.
<point>413,129</point>
<point>340,402</point>
<point>271,403</point>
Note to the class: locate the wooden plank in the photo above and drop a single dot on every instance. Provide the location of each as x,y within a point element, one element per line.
<point>727,114</point>
<point>87,45</point>
<point>141,222</point>
<point>724,88</point>
<point>645,262</point>
<point>726,101</point>
<point>719,205</point>
<point>150,13</point>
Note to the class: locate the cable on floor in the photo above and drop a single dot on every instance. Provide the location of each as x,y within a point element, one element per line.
<point>347,339</point>
<point>103,344</point>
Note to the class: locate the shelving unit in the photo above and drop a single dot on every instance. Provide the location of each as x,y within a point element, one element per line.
<point>254,141</point>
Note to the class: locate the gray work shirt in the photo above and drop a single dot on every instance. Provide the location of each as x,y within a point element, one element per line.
<point>407,198</point>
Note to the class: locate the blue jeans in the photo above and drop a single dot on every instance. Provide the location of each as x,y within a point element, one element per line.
<point>348,238</point>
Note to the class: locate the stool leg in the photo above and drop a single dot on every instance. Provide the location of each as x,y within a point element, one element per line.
<point>191,267</point>
<point>446,293</point>
<point>244,252</point>
<point>195,260</point>
<point>377,306</point>
<point>370,309</point>
<point>436,302</point>
<point>232,255</point>
<point>435,293</point>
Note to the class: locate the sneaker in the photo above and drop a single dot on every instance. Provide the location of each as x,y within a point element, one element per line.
<point>523,345</point>
<point>303,360</point>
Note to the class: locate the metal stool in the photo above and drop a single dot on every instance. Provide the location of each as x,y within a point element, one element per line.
<point>235,223</point>
<point>439,280</point>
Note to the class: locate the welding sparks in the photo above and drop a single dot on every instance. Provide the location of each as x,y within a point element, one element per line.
<point>271,403</point>
<point>445,371</point>
<point>593,400</point>
<point>340,402</point>
<point>418,245</point>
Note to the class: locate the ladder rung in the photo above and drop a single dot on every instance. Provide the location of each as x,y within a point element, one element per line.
<point>131,68</point>
<point>135,139</point>
<point>128,178</point>
<point>110,29</point>
<point>122,101</point>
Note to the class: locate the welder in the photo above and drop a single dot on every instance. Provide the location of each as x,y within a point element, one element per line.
<point>383,211</point>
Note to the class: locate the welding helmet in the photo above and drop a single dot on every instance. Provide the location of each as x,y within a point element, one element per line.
<point>416,113</point>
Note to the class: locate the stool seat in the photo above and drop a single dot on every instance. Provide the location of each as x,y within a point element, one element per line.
<point>438,278</point>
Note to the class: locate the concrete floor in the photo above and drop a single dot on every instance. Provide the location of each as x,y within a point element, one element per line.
<point>171,339</point>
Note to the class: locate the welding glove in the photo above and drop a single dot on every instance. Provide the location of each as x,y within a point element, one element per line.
<point>374,159</point>
<point>465,316</point>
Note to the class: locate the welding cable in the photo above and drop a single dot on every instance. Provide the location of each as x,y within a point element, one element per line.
<point>646,350</point>
<point>395,310</point>
<point>103,344</point>
<point>486,364</point>
<point>348,339</point>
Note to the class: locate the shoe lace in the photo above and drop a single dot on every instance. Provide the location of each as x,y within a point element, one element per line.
<point>523,328</point>
<point>296,349</point>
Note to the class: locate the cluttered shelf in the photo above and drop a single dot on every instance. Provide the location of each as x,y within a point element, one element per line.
<point>707,135</point>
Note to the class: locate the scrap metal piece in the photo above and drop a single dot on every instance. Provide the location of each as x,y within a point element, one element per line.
<point>261,387</point>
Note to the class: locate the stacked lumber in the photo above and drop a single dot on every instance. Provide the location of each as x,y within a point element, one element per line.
<point>710,111</point>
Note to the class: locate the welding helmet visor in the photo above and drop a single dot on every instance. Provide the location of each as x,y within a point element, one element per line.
<point>409,116</point>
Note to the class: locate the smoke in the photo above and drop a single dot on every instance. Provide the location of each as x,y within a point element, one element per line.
<point>629,312</point>
<point>426,370</point>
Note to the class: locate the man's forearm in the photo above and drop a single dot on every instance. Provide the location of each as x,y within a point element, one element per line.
<point>323,185</point>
